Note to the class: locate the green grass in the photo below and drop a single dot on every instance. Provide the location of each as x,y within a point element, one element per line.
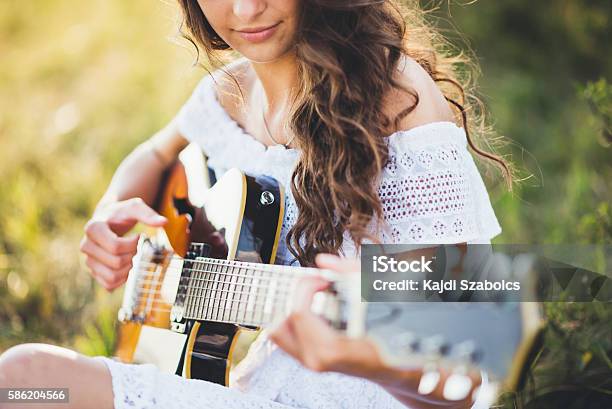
<point>81,83</point>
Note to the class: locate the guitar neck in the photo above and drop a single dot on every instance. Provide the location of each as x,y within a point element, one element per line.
<point>237,292</point>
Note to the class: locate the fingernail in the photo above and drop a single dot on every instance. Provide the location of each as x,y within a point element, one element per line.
<point>457,387</point>
<point>428,383</point>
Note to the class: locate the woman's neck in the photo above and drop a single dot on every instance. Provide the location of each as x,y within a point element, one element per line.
<point>277,79</point>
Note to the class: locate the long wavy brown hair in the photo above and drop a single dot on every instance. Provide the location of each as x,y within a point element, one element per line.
<point>348,54</point>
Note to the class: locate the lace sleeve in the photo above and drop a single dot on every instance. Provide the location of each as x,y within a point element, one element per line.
<point>194,117</point>
<point>431,190</point>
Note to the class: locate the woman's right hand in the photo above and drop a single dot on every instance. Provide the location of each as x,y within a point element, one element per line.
<point>109,254</point>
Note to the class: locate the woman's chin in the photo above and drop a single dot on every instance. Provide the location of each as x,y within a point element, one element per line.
<point>263,53</point>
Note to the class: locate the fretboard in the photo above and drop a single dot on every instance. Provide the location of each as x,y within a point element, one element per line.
<point>238,292</point>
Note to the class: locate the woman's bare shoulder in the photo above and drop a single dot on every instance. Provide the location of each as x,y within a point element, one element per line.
<point>432,105</point>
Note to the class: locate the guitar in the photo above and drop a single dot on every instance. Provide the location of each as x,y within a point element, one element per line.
<point>187,303</point>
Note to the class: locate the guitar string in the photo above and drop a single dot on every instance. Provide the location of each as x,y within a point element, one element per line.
<point>207,314</point>
<point>275,268</point>
<point>202,296</point>
<point>224,275</point>
<point>244,321</point>
<point>226,312</point>
<point>209,294</point>
<point>207,304</point>
<point>205,271</point>
<point>222,281</point>
<point>231,264</point>
<point>242,310</point>
<point>221,284</point>
<point>202,300</point>
<point>147,273</point>
<point>264,303</point>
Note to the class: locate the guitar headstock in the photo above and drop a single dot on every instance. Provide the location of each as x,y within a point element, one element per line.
<point>495,337</point>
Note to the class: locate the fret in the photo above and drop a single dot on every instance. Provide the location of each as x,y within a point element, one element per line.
<point>237,288</point>
<point>227,282</point>
<point>223,292</point>
<point>201,288</point>
<point>215,287</point>
<point>208,290</point>
<point>195,283</point>
<point>233,291</point>
<point>266,274</point>
<point>221,296</point>
<point>276,297</point>
<point>244,288</point>
<point>264,293</point>
<point>189,292</point>
<point>201,285</point>
<point>208,293</point>
<point>204,286</point>
<point>228,294</point>
<point>193,287</point>
<point>258,291</point>
<point>253,282</point>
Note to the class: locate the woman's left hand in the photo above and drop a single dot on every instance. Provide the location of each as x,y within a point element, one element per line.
<point>319,347</point>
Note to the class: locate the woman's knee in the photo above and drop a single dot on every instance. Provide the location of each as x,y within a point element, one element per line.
<point>25,363</point>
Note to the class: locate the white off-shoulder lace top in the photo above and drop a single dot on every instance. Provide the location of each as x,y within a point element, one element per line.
<point>431,192</point>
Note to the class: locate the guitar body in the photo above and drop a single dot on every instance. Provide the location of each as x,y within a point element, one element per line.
<point>240,219</point>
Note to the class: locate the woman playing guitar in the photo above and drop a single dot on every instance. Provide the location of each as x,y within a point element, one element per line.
<point>352,106</point>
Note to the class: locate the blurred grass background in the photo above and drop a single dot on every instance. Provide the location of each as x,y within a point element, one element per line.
<point>81,83</point>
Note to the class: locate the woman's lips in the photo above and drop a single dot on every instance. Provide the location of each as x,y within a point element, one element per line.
<point>258,34</point>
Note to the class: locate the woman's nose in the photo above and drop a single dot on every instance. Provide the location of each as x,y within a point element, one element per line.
<point>248,10</point>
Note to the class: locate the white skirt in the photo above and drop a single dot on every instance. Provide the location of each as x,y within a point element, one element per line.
<point>267,378</point>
